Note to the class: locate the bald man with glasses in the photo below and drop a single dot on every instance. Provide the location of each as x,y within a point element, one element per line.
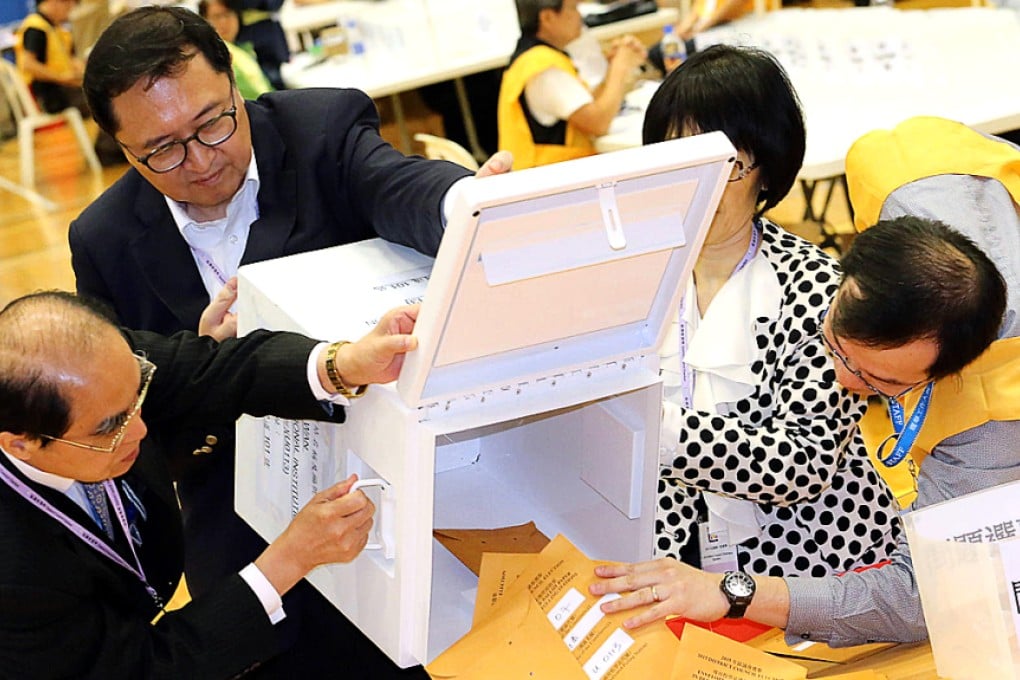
<point>217,182</point>
<point>918,305</point>
<point>91,547</point>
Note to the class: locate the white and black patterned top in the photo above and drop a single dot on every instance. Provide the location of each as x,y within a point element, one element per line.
<point>792,446</point>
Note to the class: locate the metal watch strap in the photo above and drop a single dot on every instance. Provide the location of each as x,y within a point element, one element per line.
<point>334,375</point>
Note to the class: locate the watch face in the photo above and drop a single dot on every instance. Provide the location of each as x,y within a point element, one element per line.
<point>738,584</point>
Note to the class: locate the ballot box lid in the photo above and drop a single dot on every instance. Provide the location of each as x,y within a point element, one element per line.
<point>563,267</point>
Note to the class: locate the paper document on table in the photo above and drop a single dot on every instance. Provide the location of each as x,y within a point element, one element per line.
<point>968,547</point>
<point>547,626</point>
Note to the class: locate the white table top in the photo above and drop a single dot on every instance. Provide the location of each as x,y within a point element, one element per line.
<point>384,74</point>
<point>861,69</point>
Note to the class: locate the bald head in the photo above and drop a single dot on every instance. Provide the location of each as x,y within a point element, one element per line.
<point>45,338</point>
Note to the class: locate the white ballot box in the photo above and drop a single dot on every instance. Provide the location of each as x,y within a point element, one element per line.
<point>534,394</point>
<point>966,556</point>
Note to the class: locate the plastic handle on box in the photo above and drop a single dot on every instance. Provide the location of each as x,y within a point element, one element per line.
<point>383,522</point>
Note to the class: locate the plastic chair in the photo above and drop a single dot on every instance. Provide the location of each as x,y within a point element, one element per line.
<point>30,118</point>
<point>440,148</point>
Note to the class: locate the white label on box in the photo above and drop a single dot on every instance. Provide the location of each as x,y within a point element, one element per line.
<point>296,464</point>
<point>404,288</point>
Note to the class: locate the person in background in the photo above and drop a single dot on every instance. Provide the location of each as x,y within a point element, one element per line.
<point>919,301</point>
<point>263,32</point>
<point>44,53</point>
<point>89,524</point>
<point>759,443</point>
<point>225,17</point>
<point>703,15</point>
<point>545,112</point>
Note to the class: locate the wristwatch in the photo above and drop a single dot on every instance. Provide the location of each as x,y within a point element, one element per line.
<point>738,588</point>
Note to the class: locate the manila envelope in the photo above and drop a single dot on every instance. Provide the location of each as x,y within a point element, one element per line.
<point>467,545</point>
<point>547,627</point>
<point>705,655</point>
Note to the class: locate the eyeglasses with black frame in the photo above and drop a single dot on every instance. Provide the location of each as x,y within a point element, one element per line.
<point>741,170</point>
<point>213,132</point>
<point>856,372</point>
<point>148,370</point>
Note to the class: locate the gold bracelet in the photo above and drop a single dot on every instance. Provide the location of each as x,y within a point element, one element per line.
<point>334,375</point>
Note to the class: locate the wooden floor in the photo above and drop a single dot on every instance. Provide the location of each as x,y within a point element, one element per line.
<point>33,241</point>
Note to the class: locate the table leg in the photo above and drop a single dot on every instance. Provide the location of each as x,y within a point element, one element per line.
<point>469,121</point>
<point>828,237</point>
<point>398,113</point>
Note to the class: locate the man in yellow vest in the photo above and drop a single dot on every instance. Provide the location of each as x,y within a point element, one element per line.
<point>919,304</point>
<point>45,56</point>
<point>546,112</point>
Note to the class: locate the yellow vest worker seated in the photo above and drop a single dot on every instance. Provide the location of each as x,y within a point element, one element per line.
<point>45,56</point>
<point>546,112</point>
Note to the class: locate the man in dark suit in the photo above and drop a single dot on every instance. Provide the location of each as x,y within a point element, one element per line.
<point>90,532</point>
<point>217,182</point>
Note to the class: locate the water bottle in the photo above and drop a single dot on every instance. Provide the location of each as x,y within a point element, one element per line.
<point>673,48</point>
<point>355,42</point>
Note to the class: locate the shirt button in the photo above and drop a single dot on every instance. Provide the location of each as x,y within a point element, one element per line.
<point>211,439</point>
<point>233,239</point>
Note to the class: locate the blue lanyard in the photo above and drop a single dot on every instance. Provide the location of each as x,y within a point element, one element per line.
<point>906,430</point>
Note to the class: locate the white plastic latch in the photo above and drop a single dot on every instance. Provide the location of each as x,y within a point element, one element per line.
<point>611,216</point>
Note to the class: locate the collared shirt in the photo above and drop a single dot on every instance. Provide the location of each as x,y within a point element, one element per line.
<point>218,245</point>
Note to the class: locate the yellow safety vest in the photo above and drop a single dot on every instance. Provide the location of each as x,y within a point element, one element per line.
<point>883,160</point>
<point>514,133</point>
<point>58,46</point>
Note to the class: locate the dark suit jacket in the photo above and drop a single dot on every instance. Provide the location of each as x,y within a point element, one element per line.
<point>326,178</point>
<point>66,611</point>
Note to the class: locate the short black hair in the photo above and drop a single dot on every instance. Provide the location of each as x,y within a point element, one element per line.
<point>745,93</point>
<point>528,11</point>
<point>149,42</point>
<point>31,400</point>
<point>911,278</point>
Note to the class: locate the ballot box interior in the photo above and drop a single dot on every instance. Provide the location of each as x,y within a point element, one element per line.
<point>534,394</point>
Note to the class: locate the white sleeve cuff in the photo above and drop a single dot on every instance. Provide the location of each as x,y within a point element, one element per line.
<point>266,593</point>
<point>449,198</point>
<point>313,378</point>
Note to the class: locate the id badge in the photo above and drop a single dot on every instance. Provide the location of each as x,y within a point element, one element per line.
<point>717,555</point>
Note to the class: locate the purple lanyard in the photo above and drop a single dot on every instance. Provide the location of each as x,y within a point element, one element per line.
<point>217,272</point>
<point>687,373</point>
<point>84,534</point>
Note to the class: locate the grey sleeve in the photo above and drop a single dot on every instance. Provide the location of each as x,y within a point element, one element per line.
<point>882,604</point>
<point>877,604</point>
